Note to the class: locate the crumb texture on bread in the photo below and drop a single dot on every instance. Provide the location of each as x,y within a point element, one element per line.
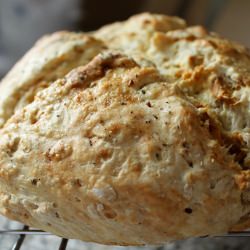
<point>147,141</point>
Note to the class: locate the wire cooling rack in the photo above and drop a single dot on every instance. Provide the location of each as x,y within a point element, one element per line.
<point>63,244</point>
<point>27,231</point>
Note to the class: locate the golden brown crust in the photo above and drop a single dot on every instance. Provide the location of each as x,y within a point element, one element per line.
<point>140,146</point>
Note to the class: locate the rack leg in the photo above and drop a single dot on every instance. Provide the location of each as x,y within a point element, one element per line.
<point>20,240</point>
<point>63,244</point>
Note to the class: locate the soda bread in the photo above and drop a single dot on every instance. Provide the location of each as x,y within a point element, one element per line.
<point>146,143</point>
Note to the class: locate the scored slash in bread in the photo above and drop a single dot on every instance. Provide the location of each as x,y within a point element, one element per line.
<point>146,143</point>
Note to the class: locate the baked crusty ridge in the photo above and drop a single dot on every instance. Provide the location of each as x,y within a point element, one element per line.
<point>203,77</point>
<point>51,58</point>
<point>212,71</point>
<point>113,154</point>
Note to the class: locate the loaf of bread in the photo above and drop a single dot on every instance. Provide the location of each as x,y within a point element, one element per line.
<point>135,134</point>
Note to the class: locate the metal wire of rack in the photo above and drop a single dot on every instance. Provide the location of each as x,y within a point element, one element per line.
<point>27,231</point>
<point>22,233</point>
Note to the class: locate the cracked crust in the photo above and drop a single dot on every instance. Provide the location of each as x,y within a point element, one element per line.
<point>51,58</point>
<point>113,154</point>
<point>214,73</point>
